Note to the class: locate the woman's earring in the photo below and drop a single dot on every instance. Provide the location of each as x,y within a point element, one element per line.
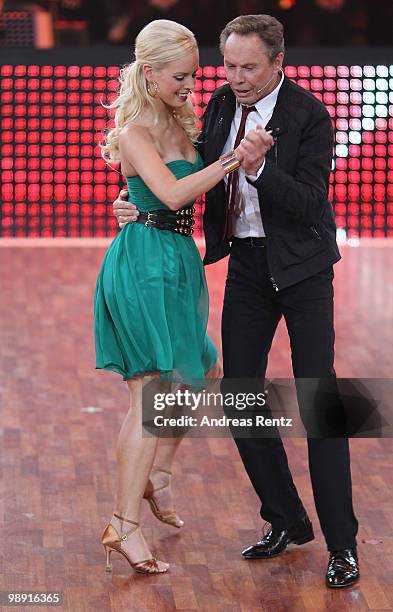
<point>151,92</point>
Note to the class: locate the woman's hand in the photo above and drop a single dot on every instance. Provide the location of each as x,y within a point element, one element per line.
<point>215,371</point>
<point>214,377</point>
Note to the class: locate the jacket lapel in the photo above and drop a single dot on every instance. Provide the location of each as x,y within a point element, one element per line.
<point>277,124</point>
<point>218,131</point>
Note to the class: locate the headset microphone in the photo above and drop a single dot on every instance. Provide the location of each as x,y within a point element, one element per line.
<point>267,84</point>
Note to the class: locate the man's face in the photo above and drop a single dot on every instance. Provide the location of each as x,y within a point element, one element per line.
<point>248,68</point>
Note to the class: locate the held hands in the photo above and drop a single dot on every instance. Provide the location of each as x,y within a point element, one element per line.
<point>253,148</point>
<point>124,211</point>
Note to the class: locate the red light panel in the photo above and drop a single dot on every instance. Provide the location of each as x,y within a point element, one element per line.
<point>55,183</point>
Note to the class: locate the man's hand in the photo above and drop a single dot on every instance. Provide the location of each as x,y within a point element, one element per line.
<point>253,148</point>
<point>124,211</point>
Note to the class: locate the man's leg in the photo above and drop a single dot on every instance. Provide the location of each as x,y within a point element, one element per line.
<point>308,311</point>
<point>250,318</point>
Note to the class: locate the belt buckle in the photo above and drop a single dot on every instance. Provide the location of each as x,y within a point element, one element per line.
<point>254,243</point>
<point>149,220</point>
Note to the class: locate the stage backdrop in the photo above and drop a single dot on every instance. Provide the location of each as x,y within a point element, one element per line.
<point>55,183</point>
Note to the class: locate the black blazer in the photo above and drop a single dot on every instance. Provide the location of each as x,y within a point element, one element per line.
<point>293,188</point>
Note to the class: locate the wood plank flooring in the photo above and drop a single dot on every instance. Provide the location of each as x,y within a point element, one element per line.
<point>57,455</point>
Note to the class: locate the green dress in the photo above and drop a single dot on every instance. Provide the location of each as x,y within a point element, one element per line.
<point>151,302</point>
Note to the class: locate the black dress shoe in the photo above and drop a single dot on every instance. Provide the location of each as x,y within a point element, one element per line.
<point>276,541</point>
<point>343,568</point>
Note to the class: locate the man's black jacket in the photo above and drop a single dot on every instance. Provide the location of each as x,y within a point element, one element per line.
<point>293,188</point>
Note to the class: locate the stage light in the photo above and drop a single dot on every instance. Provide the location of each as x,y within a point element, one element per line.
<point>381,111</point>
<point>382,97</point>
<point>341,150</point>
<point>368,98</point>
<point>341,138</point>
<point>54,181</point>
<point>369,84</point>
<point>368,124</point>
<point>382,84</point>
<point>354,137</point>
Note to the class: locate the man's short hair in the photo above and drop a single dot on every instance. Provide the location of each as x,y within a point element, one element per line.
<point>268,28</point>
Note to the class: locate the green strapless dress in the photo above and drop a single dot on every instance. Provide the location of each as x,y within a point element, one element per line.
<point>151,302</point>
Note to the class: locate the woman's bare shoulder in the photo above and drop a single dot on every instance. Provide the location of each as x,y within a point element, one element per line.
<point>143,124</point>
<point>134,129</point>
<point>136,141</point>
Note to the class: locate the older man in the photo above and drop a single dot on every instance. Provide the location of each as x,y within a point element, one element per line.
<point>279,229</point>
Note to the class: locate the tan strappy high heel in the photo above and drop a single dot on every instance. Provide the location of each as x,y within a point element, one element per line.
<point>169,517</point>
<point>112,541</point>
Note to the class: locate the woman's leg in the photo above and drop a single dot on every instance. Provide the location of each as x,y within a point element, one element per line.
<point>166,450</point>
<point>162,468</point>
<point>135,455</point>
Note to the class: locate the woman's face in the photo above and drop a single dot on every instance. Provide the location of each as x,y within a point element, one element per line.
<point>175,80</point>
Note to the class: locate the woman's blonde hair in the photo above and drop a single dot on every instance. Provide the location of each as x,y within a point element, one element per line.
<point>158,43</point>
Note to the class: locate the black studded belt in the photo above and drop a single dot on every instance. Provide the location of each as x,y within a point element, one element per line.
<point>179,221</point>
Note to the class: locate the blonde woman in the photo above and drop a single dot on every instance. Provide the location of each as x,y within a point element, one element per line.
<point>151,300</point>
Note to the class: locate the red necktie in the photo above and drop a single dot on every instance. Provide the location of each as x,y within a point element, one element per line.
<point>233,178</point>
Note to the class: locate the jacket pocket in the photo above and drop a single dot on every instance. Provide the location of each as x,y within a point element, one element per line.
<point>298,246</point>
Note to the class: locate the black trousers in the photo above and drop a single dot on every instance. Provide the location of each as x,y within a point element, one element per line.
<point>251,313</point>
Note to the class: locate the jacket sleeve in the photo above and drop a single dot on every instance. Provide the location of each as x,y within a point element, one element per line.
<point>302,196</point>
<point>207,122</point>
<point>200,145</point>
<point>202,136</point>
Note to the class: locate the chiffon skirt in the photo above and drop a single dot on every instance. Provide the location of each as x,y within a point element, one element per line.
<point>151,306</point>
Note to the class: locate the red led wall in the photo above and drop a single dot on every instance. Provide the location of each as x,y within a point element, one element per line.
<point>55,183</point>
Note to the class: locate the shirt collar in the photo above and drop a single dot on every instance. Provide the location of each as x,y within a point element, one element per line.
<point>267,104</point>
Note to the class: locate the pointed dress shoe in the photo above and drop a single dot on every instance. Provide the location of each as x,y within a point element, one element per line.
<point>343,568</point>
<point>276,541</point>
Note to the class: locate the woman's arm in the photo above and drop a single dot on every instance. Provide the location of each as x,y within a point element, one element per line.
<point>137,147</point>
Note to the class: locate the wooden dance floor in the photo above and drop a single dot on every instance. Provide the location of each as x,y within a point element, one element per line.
<point>59,425</point>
